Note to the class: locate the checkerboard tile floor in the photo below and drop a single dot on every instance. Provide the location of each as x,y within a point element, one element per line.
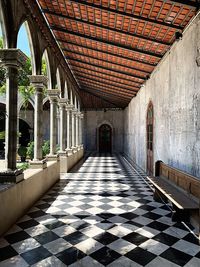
<point>100,214</point>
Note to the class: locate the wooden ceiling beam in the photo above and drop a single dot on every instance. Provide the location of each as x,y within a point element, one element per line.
<point>88,75</point>
<point>130,16</point>
<point>110,53</point>
<point>106,61</point>
<point>79,20</point>
<point>108,90</point>
<point>106,68</point>
<point>112,95</point>
<point>100,96</point>
<point>187,3</point>
<point>100,40</point>
<point>74,68</point>
<point>117,85</point>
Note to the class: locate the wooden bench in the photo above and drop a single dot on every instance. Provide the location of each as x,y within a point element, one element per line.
<point>177,187</point>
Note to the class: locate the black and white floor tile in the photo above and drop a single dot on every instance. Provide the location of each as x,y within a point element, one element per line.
<point>100,214</point>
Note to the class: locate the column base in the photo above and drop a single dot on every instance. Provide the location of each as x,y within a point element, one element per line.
<point>9,176</point>
<point>82,146</point>
<point>37,164</point>
<point>74,149</point>
<point>62,153</point>
<point>69,151</point>
<point>53,157</point>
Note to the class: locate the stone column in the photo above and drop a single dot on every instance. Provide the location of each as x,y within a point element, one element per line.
<point>58,127</point>
<point>68,120</point>
<point>81,129</point>
<point>53,98</point>
<point>73,114</point>
<point>62,105</point>
<point>39,82</point>
<point>12,60</point>
<point>77,129</point>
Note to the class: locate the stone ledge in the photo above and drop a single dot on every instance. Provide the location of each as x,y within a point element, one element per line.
<point>18,198</point>
<point>35,164</point>
<point>8,176</point>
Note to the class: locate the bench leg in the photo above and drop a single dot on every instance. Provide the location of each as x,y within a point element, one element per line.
<point>180,215</point>
<point>158,196</point>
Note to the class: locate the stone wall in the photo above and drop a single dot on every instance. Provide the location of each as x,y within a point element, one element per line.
<point>174,89</point>
<point>94,119</point>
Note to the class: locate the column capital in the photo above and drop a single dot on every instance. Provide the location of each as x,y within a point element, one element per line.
<point>69,107</point>
<point>12,58</point>
<point>53,94</point>
<point>74,111</point>
<point>38,81</point>
<point>81,115</point>
<point>63,102</point>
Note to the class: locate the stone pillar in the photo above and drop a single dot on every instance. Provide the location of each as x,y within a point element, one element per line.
<point>81,129</point>
<point>53,98</point>
<point>12,60</point>
<point>77,129</point>
<point>68,121</point>
<point>62,104</point>
<point>73,114</point>
<point>58,127</point>
<point>39,82</point>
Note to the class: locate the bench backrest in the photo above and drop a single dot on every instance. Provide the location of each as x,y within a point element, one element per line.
<point>190,184</point>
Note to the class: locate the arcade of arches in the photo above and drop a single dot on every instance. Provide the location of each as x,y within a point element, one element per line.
<point>119,95</point>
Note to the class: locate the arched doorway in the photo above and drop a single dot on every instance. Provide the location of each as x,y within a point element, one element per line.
<point>24,130</point>
<point>150,139</point>
<point>105,138</point>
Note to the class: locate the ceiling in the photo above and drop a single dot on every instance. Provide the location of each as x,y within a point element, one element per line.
<point>112,46</point>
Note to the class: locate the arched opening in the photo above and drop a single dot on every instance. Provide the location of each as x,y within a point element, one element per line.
<point>2,70</point>
<point>25,44</point>
<point>3,34</point>
<point>26,114</point>
<point>46,116</point>
<point>24,130</point>
<point>149,130</point>
<point>105,138</point>
<point>2,130</point>
<point>45,70</point>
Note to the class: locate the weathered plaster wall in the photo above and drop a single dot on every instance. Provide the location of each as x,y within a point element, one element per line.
<point>94,119</point>
<point>174,89</point>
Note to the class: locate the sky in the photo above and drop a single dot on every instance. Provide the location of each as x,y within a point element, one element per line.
<point>22,41</point>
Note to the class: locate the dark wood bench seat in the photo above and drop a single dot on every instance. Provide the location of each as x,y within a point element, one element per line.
<point>180,189</point>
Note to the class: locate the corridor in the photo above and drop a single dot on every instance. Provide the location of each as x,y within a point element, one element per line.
<point>100,214</point>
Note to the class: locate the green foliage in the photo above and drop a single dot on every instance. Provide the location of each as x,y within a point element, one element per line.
<point>23,166</point>
<point>1,42</point>
<point>30,150</point>
<point>26,92</point>
<point>45,148</point>
<point>2,71</point>
<point>22,151</point>
<point>23,79</point>
<point>44,67</point>
<point>2,135</point>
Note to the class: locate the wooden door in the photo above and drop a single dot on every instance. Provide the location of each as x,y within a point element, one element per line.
<point>150,139</point>
<point>105,138</point>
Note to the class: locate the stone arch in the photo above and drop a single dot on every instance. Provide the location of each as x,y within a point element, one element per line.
<point>29,33</point>
<point>2,128</point>
<point>67,92</point>
<point>150,138</point>
<point>31,102</point>
<point>109,144</point>
<point>97,133</point>
<point>58,79</point>
<point>71,97</point>
<point>3,27</point>
<point>48,68</point>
